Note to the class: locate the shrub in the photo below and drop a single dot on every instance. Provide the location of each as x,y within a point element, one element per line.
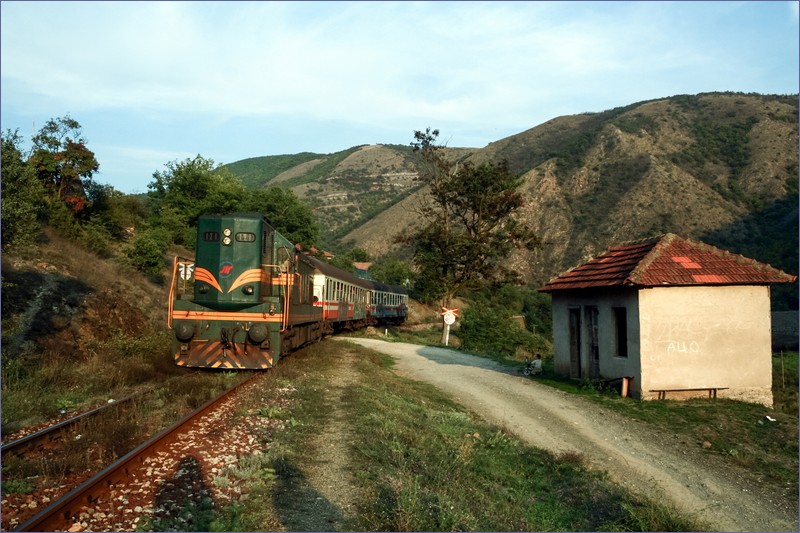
<point>146,253</point>
<point>22,195</point>
<point>489,330</point>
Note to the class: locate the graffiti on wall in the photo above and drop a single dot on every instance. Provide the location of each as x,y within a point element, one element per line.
<point>679,335</point>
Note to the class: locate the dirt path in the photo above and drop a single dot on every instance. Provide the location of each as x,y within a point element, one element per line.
<point>318,494</point>
<point>660,465</point>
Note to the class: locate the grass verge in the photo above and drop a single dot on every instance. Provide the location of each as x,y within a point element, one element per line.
<point>738,432</point>
<point>422,463</point>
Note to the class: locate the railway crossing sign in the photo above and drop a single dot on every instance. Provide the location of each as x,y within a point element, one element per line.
<point>449,316</point>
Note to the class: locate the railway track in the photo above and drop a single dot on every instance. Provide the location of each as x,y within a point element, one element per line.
<point>110,501</point>
<point>55,432</point>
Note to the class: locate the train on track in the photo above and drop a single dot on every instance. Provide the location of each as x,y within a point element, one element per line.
<point>251,296</point>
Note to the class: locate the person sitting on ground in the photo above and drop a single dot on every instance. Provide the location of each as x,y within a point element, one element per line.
<point>537,364</point>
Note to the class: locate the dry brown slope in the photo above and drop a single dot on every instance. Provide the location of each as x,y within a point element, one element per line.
<point>635,178</point>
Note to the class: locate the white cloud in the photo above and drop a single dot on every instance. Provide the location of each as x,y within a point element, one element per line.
<point>491,66</point>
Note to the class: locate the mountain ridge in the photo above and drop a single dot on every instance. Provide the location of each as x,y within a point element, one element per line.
<point>702,166</point>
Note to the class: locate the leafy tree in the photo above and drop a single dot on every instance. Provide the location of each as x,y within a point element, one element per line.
<point>354,255</point>
<point>492,330</point>
<point>21,195</point>
<point>394,272</point>
<point>115,211</point>
<point>146,252</point>
<point>538,311</point>
<point>470,226</point>
<point>62,162</point>
<point>291,217</point>
<point>190,188</point>
<point>489,326</point>
<point>194,187</point>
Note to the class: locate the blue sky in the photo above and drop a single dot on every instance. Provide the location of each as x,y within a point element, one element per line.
<point>154,82</point>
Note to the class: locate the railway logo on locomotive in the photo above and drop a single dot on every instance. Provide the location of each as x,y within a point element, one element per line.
<point>225,269</point>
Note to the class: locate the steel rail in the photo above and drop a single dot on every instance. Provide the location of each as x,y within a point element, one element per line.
<point>61,514</point>
<point>18,446</point>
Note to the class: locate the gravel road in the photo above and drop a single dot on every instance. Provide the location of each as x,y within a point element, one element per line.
<point>661,465</point>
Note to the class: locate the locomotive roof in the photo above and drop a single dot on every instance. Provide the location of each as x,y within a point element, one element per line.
<point>234,215</point>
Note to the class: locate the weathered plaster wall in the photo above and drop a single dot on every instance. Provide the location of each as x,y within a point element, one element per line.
<point>678,337</point>
<point>610,365</point>
<point>707,337</point>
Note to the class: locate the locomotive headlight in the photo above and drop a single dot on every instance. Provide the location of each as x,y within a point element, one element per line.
<point>247,289</point>
<point>258,333</point>
<point>227,232</point>
<point>184,331</point>
<point>202,288</point>
<point>226,241</point>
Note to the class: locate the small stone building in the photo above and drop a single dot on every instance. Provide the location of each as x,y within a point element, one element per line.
<point>678,317</point>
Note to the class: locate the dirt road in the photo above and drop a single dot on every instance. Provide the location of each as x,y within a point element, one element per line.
<point>660,465</point>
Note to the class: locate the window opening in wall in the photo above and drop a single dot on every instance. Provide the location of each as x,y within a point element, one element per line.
<point>620,331</point>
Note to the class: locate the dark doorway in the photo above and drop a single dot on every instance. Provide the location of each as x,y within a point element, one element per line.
<point>575,343</point>
<point>593,345</point>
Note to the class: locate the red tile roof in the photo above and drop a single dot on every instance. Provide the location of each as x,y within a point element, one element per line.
<point>667,260</point>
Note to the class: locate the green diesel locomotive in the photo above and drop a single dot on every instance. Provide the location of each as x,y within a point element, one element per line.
<point>251,296</point>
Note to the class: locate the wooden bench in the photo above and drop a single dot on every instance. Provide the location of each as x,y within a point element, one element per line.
<point>712,391</point>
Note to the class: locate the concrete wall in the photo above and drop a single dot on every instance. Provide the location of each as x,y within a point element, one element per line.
<point>707,337</point>
<point>611,366</point>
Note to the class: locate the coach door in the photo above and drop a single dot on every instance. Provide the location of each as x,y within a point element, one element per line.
<point>575,342</point>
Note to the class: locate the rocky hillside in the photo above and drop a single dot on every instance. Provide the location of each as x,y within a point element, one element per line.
<point>720,167</point>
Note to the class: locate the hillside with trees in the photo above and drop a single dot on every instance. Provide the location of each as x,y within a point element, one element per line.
<point>718,167</point>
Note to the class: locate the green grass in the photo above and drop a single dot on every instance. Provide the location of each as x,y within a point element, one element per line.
<point>422,463</point>
<point>430,466</point>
